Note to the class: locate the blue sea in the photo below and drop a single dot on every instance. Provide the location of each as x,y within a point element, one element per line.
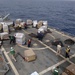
<point>59,14</point>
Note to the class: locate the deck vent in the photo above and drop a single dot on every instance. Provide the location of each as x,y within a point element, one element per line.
<point>69,42</point>
<point>56,42</point>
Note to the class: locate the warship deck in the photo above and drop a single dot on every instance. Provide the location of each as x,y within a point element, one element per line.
<point>45,51</point>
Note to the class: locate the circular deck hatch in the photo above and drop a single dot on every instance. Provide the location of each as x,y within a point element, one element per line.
<point>69,42</point>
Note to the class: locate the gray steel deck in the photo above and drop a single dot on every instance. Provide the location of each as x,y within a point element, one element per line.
<point>46,54</point>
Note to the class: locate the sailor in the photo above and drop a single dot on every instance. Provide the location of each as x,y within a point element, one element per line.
<point>40,35</point>
<point>58,48</point>
<point>29,42</point>
<point>56,71</point>
<point>25,26</point>
<point>67,52</point>
<point>12,51</point>
<point>12,39</point>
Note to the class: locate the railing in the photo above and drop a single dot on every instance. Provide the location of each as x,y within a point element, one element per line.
<point>66,33</point>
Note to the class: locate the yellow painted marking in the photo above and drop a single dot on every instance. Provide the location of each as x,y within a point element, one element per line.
<point>10,62</point>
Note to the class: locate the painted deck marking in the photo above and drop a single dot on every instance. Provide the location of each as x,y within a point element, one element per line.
<point>50,68</point>
<point>10,62</point>
<point>33,48</point>
<point>50,48</point>
<point>55,53</point>
<point>39,48</point>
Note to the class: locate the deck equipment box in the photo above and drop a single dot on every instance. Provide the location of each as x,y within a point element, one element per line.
<point>22,24</point>
<point>34,23</point>
<point>70,70</point>
<point>29,22</point>
<point>40,23</point>
<point>1,26</point>
<point>20,38</point>
<point>44,28</point>
<point>18,21</point>
<point>29,55</point>
<point>5,28</point>
<point>4,35</point>
<point>45,23</point>
<point>40,30</point>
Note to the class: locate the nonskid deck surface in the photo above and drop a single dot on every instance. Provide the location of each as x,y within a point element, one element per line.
<point>45,51</point>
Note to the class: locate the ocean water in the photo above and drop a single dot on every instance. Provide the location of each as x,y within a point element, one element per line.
<point>59,14</point>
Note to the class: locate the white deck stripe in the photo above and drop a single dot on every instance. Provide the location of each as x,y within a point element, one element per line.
<point>50,68</point>
<point>39,48</point>
<point>10,62</point>
<point>32,48</point>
